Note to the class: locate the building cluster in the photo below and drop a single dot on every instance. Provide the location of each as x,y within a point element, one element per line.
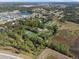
<point>11,16</point>
<point>43,13</point>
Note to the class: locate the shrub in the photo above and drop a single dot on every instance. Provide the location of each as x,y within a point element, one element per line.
<point>60,48</point>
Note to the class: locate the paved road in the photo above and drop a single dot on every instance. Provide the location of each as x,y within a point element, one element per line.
<point>7,56</point>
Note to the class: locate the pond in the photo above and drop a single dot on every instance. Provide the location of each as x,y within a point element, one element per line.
<point>25,13</point>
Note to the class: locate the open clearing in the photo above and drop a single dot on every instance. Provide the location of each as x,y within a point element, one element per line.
<point>51,54</point>
<point>70,26</point>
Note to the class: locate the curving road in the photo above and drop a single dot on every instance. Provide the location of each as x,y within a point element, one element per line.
<point>8,56</point>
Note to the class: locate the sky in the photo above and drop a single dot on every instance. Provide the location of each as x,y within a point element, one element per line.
<point>39,0</point>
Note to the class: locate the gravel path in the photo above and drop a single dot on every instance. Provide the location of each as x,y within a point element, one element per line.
<point>48,52</point>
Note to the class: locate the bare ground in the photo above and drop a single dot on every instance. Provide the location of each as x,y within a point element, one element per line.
<point>54,55</point>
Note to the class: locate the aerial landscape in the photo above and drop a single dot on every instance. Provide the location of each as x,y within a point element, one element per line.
<point>43,29</point>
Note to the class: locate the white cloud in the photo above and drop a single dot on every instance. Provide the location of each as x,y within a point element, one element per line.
<point>75,0</point>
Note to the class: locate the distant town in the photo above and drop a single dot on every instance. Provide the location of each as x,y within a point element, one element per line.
<point>11,16</point>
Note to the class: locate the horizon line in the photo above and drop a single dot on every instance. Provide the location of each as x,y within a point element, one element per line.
<point>41,1</point>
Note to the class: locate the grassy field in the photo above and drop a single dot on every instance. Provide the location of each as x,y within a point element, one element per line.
<point>69,35</point>
<point>70,26</point>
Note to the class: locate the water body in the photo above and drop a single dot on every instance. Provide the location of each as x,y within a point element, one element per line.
<point>25,13</point>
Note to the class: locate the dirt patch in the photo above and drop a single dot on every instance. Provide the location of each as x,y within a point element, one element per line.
<point>50,57</point>
<point>48,53</point>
